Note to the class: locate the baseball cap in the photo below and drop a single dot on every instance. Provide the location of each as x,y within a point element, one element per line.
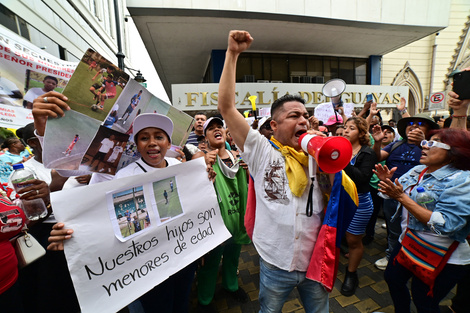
<point>334,119</point>
<point>153,120</point>
<point>212,120</point>
<point>265,120</point>
<point>388,127</point>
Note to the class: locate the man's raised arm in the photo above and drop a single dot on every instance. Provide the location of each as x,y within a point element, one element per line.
<point>238,41</point>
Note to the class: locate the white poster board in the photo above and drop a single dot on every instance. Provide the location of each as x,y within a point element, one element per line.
<point>110,272</point>
<point>325,110</point>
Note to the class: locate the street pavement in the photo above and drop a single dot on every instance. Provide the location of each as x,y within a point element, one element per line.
<point>372,294</point>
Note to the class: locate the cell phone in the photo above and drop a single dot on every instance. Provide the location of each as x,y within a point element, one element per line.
<point>368,97</point>
<point>462,84</point>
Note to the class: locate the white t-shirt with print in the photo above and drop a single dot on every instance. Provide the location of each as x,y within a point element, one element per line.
<point>283,234</point>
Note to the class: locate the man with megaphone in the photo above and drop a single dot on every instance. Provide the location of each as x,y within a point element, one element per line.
<point>284,234</point>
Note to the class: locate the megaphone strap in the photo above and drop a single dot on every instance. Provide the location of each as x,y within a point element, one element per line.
<point>309,209</point>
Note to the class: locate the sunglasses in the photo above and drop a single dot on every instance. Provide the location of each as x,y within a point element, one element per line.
<point>432,144</point>
<point>415,123</point>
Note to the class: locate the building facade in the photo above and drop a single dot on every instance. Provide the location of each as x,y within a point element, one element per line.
<point>425,65</point>
<point>66,29</point>
<point>296,43</point>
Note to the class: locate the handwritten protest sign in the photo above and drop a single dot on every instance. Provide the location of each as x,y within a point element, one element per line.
<point>111,266</point>
<point>324,110</point>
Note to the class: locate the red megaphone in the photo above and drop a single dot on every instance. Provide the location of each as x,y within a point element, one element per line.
<point>331,153</point>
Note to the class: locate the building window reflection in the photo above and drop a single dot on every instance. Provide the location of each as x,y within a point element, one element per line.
<point>264,67</point>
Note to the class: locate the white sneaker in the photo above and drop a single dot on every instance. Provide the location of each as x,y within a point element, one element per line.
<point>381,264</point>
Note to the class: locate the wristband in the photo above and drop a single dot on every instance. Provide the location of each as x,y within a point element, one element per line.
<point>403,111</point>
<point>459,116</point>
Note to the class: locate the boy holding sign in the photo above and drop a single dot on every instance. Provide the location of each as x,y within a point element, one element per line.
<point>152,135</point>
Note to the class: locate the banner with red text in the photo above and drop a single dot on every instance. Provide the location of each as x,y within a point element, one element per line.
<point>26,72</point>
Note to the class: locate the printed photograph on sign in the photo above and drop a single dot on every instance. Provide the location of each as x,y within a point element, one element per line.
<point>95,86</point>
<point>37,84</point>
<point>104,152</point>
<point>104,101</point>
<point>132,101</point>
<point>167,199</point>
<point>128,212</point>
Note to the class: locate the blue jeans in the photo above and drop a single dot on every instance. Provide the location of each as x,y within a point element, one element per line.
<point>276,285</point>
<point>397,277</point>
<point>393,227</point>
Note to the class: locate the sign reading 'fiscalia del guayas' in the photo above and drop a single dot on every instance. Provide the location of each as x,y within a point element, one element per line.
<point>205,96</point>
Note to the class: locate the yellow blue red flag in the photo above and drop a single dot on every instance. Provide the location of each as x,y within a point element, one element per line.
<point>342,205</point>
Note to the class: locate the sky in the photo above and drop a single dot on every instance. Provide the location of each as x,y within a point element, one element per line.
<point>141,61</point>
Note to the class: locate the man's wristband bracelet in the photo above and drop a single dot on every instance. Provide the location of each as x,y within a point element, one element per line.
<point>459,116</point>
<point>403,111</point>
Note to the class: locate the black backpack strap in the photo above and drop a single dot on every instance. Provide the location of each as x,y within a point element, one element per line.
<point>396,145</point>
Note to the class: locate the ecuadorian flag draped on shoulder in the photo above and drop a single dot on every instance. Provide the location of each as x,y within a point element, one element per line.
<point>342,205</point>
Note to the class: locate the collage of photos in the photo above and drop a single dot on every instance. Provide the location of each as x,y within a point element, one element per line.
<point>130,213</point>
<point>104,103</point>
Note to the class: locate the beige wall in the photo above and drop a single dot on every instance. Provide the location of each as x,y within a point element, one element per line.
<point>419,53</point>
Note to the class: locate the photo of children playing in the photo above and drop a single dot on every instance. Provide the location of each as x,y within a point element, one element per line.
<point>131,211</point>
<point>167,199</point>
<point>99,77</point>
<point>105,151</point>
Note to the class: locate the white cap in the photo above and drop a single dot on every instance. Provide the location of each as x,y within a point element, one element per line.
<point>153,120</point>
<point>211,120</point>
<point>262,121</point>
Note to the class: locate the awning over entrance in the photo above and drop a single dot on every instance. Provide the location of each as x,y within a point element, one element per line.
<point>180,40</point>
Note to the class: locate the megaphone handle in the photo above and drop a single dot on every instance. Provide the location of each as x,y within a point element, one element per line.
<point>312,167</point>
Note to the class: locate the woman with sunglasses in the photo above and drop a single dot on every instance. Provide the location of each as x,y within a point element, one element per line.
<point>360,171</point>
<point>403,156</point>
<point>442,221</point>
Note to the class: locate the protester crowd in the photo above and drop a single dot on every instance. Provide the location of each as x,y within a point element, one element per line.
<point>390,169</point>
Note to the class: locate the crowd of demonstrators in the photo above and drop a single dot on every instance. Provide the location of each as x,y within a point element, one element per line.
<point>231,186</point>
<point>442,220</point>
<point>283,234</point>
<point>402,156</point>
<point>359,169</point>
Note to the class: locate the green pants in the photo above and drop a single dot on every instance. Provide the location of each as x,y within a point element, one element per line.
<point>207,274</point>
